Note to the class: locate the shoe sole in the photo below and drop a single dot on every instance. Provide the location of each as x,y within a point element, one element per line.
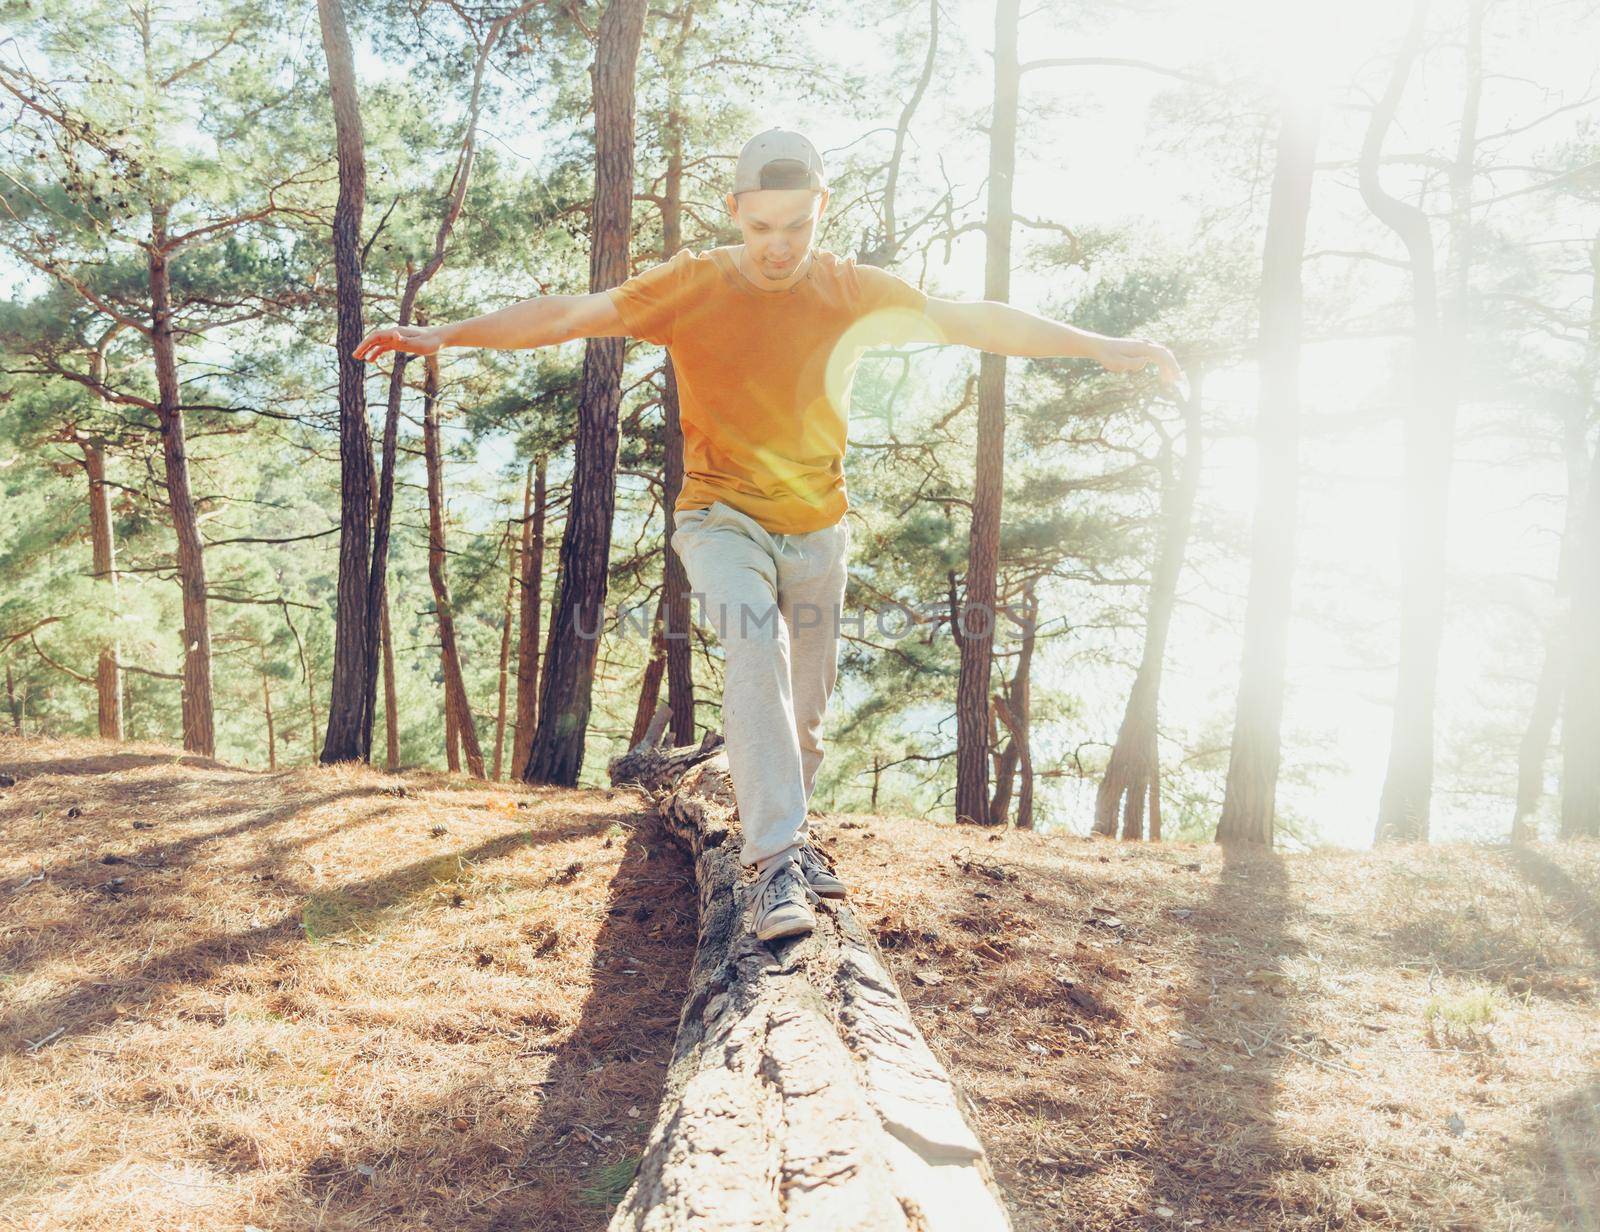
<point>786,930</point>
<point>829,893</point>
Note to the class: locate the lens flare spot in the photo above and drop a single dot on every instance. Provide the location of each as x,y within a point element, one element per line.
<point>885,327</point>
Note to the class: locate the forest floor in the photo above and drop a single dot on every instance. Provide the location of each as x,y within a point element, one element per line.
<point>339,999</point>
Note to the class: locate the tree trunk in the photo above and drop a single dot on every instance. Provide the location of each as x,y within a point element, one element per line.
<point>452,737</point>
<point>1551,688</point>
<point>1131,768</point>
<point>199,732</point>
<point>1013,710</point>
<point>505,640</point>
<point>272,735</point>
<point>1133,803</point>
<point>457,705</point>
<point>532,604</point>
<point>679,628</point>
<point>975,629</point>
<point>1003,763</point>
<point>13,702</point>
<point>391,705</point>
<point>564,703</point>
<point>654,669</point>
<point>349,718</point>
<point>1535,744</point>
<point>305,675</point>
<point>1250,799</point>
<point>108,671</point>
<point>1403,808</point>
<point>1021,706</point>
<point>1580,726</point>
<point>800,1093</point>
<point>1128,770</point>
<point>311,705</point>
<point>1016,727</point>
<point>1155,796</point>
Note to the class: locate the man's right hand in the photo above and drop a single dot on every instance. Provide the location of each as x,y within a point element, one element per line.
<point>412,339</point>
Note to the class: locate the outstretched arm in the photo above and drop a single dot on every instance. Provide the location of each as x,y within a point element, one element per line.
<point>1003,329</point>
<point>542,321</point>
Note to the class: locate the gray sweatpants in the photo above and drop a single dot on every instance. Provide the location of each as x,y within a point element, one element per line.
<point>775,602</point>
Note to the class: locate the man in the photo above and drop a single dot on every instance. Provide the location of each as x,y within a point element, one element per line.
<point>764,338</point>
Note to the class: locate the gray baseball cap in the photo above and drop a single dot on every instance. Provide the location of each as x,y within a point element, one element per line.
<point>778,158</point>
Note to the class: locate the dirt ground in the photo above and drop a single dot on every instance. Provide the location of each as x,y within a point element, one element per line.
<point>338,999</point>
<point>1165,1036</point>
<point>324,998</point>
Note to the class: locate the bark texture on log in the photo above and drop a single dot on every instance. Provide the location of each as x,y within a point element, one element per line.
<point>800,1092</point>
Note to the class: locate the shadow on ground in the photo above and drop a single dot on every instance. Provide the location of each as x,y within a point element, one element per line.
<point>585,1128</point>
<point>1192,1118</point>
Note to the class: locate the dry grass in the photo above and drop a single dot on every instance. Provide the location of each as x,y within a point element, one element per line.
<point>305,1000</point>
<point>303,1008</point>
<point>1403,1039</point>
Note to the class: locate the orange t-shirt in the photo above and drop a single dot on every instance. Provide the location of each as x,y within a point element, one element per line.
<point>764,376</point>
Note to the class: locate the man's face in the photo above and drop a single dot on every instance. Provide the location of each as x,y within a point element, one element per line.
<point>778,225</point>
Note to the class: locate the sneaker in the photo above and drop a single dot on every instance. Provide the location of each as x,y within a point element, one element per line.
<point>818,875</point>
<point>782,903</point>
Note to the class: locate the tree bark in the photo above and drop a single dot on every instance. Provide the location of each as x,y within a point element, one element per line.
<point>994,814</point>
<point>457,706</point>
<point>1013,709</point>
<point>108,670</point>
<point>391,705</point>
<point>564,704</point>
<point>13,702</point>
<point>505,638</point>
<point>1131,768</point>
<point>272,735</point>
<point>1250,798</point>
<point>199,731</point>
<point>348,736</point>
<point>305,676</point>
<point>1580,727</point>
<point>1551,688</point>
<point>654,669</point>
<point>1016,728</point>
<point>452,737</point>
<point>1005,762</point>
<point>311,705</point>
<point>1155,797</point>
<point>678,627</point>
<point>800,1093</point>
<point>975,629</point>
<point>531,605</point>
<point>1022,708</point>
<point>1404,807</point>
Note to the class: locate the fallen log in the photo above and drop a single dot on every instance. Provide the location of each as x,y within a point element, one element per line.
<point>800,1094</point>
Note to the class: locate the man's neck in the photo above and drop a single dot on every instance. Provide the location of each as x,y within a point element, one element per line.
<point>768,284</point>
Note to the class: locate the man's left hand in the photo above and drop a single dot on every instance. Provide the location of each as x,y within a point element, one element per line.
<point>1132,354</point>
